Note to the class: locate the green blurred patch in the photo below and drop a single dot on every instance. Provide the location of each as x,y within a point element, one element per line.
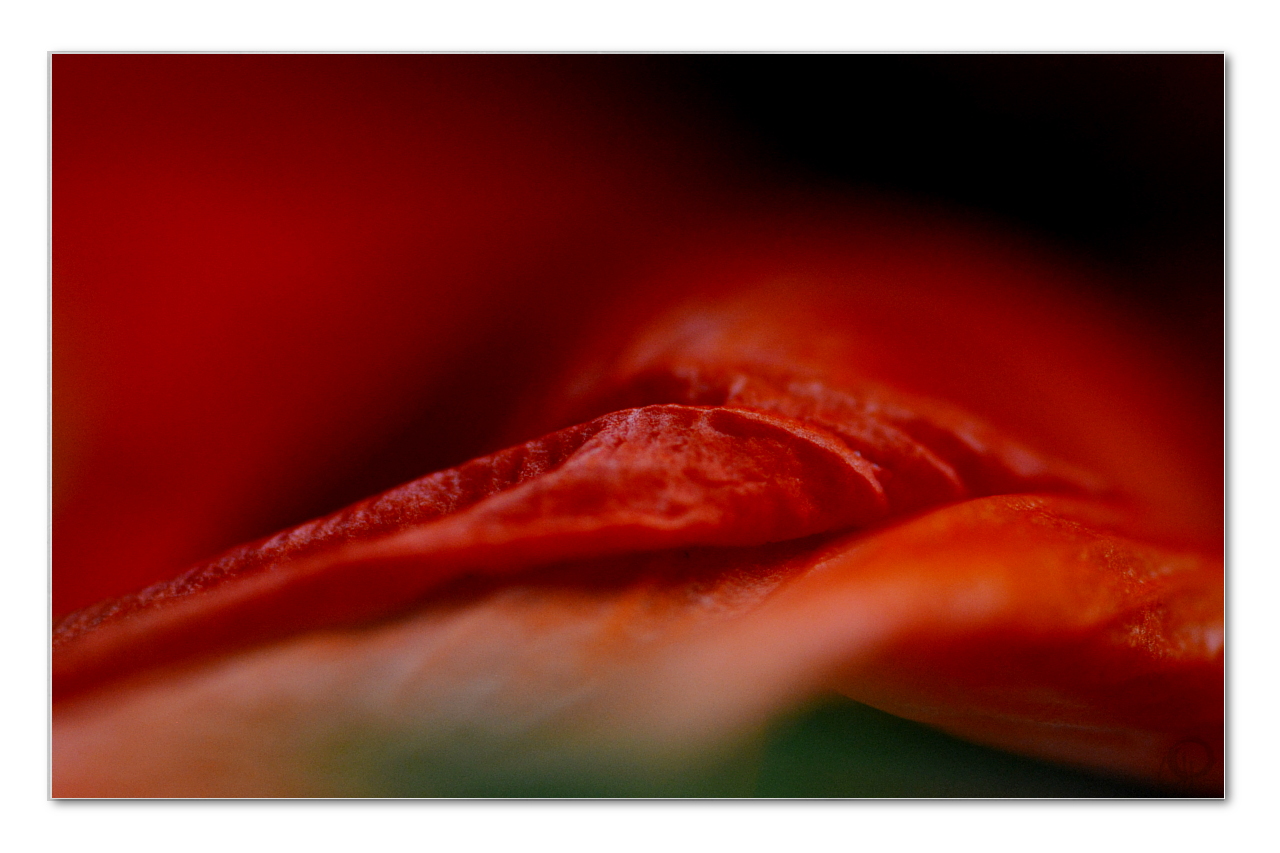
<point>834,749</point>
<point>840,748</point>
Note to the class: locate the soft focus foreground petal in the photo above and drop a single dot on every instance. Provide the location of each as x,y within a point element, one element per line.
<point>1014,621</point>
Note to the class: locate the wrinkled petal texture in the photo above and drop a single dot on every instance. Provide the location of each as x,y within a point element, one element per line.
<point>738,507</point>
